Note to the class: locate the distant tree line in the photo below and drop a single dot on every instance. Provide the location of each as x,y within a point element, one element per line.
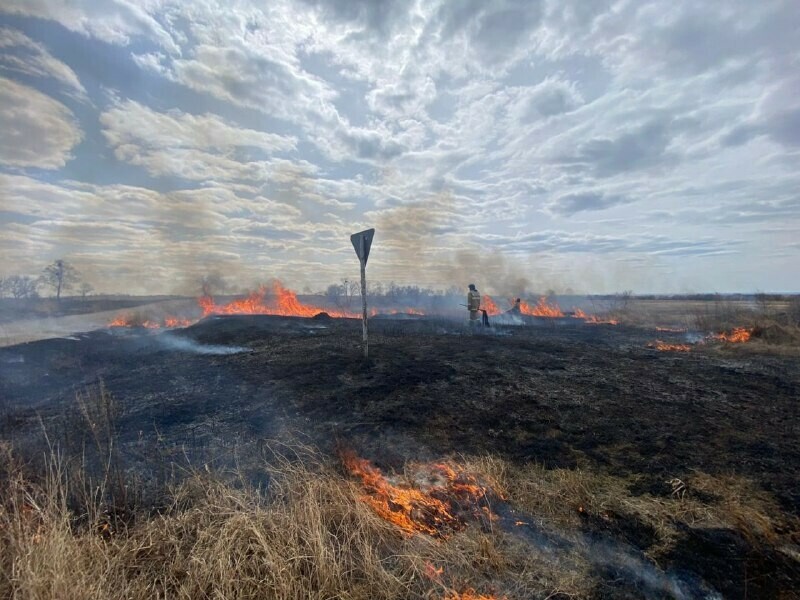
<point>59,276</point>
<point>349,290</point>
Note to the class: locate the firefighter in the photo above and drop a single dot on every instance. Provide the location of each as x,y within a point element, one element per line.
<point>517,308</point>
<point>473,304</point>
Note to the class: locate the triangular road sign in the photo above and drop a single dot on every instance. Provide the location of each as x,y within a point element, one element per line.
<point>362,242</point>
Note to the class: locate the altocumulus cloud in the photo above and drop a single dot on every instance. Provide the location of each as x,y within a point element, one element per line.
<point>38,131</point>
<point>570,204</point>
<point>253,137</point>
<point>22,55</point>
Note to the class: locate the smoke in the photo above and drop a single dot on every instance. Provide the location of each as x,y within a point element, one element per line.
<point>430,242</point>
<point>181,344</point>
<point>626,561</point>
<point>491,272</point>
<point>412,236</point>
<point>213,283</point>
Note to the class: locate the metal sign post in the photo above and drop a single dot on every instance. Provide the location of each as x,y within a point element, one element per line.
<point>362,242</point>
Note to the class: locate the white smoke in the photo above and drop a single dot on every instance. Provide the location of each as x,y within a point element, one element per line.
<point>186,345</point>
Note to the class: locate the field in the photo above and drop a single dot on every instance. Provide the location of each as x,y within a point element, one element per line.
<point>259,456</point>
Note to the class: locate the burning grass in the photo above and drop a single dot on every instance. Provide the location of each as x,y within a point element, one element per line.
<point>490,306</point>
<point>738,335</point>
<point>306,538</point>
<point>277,300</point>
<point>139,320</point>
<point>273,299</point>
<point>546,309</point>
<point>310,534</point>
<point>667,347</point>
<point>542,309</point>
<point>314,533</point>
<point>438,499</point>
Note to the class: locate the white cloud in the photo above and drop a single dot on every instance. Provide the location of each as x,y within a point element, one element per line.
<point>32,58</point>
<point>38,131</point>
<point>551,128</point>
<point>132,123</point>
<point>113,21</point>
<point>201,147</point>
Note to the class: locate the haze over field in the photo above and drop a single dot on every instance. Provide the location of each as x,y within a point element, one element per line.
<point>597,147</point>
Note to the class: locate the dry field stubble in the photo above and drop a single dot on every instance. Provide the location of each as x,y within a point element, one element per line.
<point>309,534</point>
<point>630,471</point>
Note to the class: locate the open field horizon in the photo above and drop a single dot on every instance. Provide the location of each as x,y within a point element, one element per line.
<point>571,460</point>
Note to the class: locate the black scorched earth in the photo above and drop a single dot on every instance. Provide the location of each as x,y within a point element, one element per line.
<point>570,396</point>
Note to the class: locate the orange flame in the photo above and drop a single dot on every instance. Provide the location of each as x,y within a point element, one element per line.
<point>433,572</point>
<point>489,306</point>
<point>738,335</point>
<point>274,299</point>
<point>277,300</point>
<point>177,322</point>
<point>120,321</point>
<point>137,321</point>
<point>404,311</point>
<point>665,347</point>
<point>595,320</point>
<point>435,507</point>
<point>542,309</point>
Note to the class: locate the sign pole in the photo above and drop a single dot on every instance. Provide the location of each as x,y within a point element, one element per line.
<point>364,325</point>
<point>362,242</point>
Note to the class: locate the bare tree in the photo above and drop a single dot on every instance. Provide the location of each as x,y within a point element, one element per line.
<point>376,288</point>
<point>3,286</point>
<point>22,286</point>
<point>626,297</point>
<point>61,276</point>
<point>334,293</point>
<point>85,289</point>
<point>355,289</point>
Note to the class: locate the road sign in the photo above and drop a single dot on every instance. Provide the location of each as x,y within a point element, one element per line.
<point>362,242</point>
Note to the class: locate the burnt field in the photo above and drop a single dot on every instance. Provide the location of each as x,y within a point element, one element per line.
<point>686,463</point>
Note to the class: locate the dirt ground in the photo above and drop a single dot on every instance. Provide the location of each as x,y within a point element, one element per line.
<point>557,393</point>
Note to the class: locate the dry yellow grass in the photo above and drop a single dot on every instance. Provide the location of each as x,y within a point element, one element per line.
<point>309,536</point>
<point>565,496</point>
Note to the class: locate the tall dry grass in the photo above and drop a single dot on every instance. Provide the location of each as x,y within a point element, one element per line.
<point>69,528</point>
<point>307,535</point>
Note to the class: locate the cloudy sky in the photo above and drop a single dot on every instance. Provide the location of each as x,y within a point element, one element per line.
<point>593,146</point>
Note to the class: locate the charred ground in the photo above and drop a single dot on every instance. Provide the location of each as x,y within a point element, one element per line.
<point>559,394</point>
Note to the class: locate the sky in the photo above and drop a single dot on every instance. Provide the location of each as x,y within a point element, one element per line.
<point>524,145</point>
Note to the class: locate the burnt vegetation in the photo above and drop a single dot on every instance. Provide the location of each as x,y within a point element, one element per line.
<point>260,456</point>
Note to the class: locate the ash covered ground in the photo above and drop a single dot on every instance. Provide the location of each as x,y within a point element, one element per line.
<point>559,393</point>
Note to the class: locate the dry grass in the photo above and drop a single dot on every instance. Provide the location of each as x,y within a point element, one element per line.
<point>566,497</point>
<point>773,321</point>
<point>308,536</point>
